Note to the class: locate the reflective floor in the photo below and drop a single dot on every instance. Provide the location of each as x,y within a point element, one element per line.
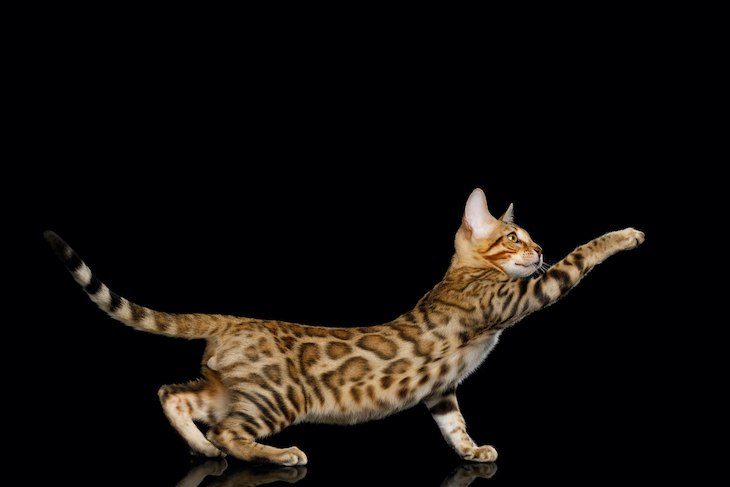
<point>537,443</point>
<point>215,473</point>
<point>338,463</point>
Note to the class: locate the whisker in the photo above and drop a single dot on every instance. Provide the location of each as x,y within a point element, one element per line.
<point>543,268</point>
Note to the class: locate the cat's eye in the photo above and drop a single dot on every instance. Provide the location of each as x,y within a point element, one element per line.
<point>512,237</point>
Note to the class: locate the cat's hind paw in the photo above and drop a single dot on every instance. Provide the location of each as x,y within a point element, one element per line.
<point>206,449</point>
<point>484,453</point>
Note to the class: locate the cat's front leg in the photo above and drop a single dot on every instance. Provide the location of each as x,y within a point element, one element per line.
<point>445,411</point>
<point>587,256</point>
<point>564,275</point>
<point>611,243</point>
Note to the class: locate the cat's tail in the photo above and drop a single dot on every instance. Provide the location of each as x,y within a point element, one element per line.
<point>131,314</point>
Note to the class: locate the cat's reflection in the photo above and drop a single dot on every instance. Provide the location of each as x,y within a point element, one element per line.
<point>255,475</point>
<point>467,472</point>
<point>248,476</point>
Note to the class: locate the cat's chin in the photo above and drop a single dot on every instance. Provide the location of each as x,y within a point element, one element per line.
<point>519,271</point>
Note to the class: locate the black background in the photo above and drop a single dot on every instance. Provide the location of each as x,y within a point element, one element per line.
<point>321,190</point>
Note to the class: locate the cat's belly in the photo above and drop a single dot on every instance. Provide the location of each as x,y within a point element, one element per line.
<point>354,414</point>
<point>369,400</point>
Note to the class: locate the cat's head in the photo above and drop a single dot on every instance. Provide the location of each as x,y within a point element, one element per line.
<point>486,241</point>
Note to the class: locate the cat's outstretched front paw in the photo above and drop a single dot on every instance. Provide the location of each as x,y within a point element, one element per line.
<point>626,239</point>
<point>484,453</point>
<point>632,238</point>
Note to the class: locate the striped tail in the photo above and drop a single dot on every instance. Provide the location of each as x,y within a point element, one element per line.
<point>185,325</point>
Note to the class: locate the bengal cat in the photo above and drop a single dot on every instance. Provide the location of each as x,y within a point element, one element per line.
<point>260,376</point>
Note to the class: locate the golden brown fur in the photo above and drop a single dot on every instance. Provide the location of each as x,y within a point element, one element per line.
<point>260,376</point>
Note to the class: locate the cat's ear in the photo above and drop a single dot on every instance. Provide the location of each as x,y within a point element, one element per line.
<point>477,218</point>
<point>509,215</point>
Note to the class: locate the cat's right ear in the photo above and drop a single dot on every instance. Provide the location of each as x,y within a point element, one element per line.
<point>477,218</point>
<point>509,215</point>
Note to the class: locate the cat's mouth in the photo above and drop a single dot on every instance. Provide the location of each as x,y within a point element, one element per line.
<point>534,264</point>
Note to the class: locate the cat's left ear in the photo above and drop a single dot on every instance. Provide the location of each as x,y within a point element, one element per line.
<point>509,215</point>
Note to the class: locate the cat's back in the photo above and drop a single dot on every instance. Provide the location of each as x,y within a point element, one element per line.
<point>255,342</point>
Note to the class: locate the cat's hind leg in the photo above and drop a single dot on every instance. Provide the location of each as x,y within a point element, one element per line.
<point>233,436</point>
<point>204,400</point>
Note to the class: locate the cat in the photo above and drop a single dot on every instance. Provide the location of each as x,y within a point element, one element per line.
<point>260,376</point>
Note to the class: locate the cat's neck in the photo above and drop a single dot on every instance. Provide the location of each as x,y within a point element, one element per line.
<point>461,290</point>
<point>460,270</point>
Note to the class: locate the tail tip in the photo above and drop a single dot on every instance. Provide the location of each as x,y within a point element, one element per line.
<point>54,240</point>
<point>60,247</point>
<point>50,236</point>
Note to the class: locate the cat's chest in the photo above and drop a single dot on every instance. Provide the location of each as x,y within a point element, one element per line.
<point>461,363</point>
<point>468,359</point>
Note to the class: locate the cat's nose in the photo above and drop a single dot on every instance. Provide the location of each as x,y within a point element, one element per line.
<point>538,249</point>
